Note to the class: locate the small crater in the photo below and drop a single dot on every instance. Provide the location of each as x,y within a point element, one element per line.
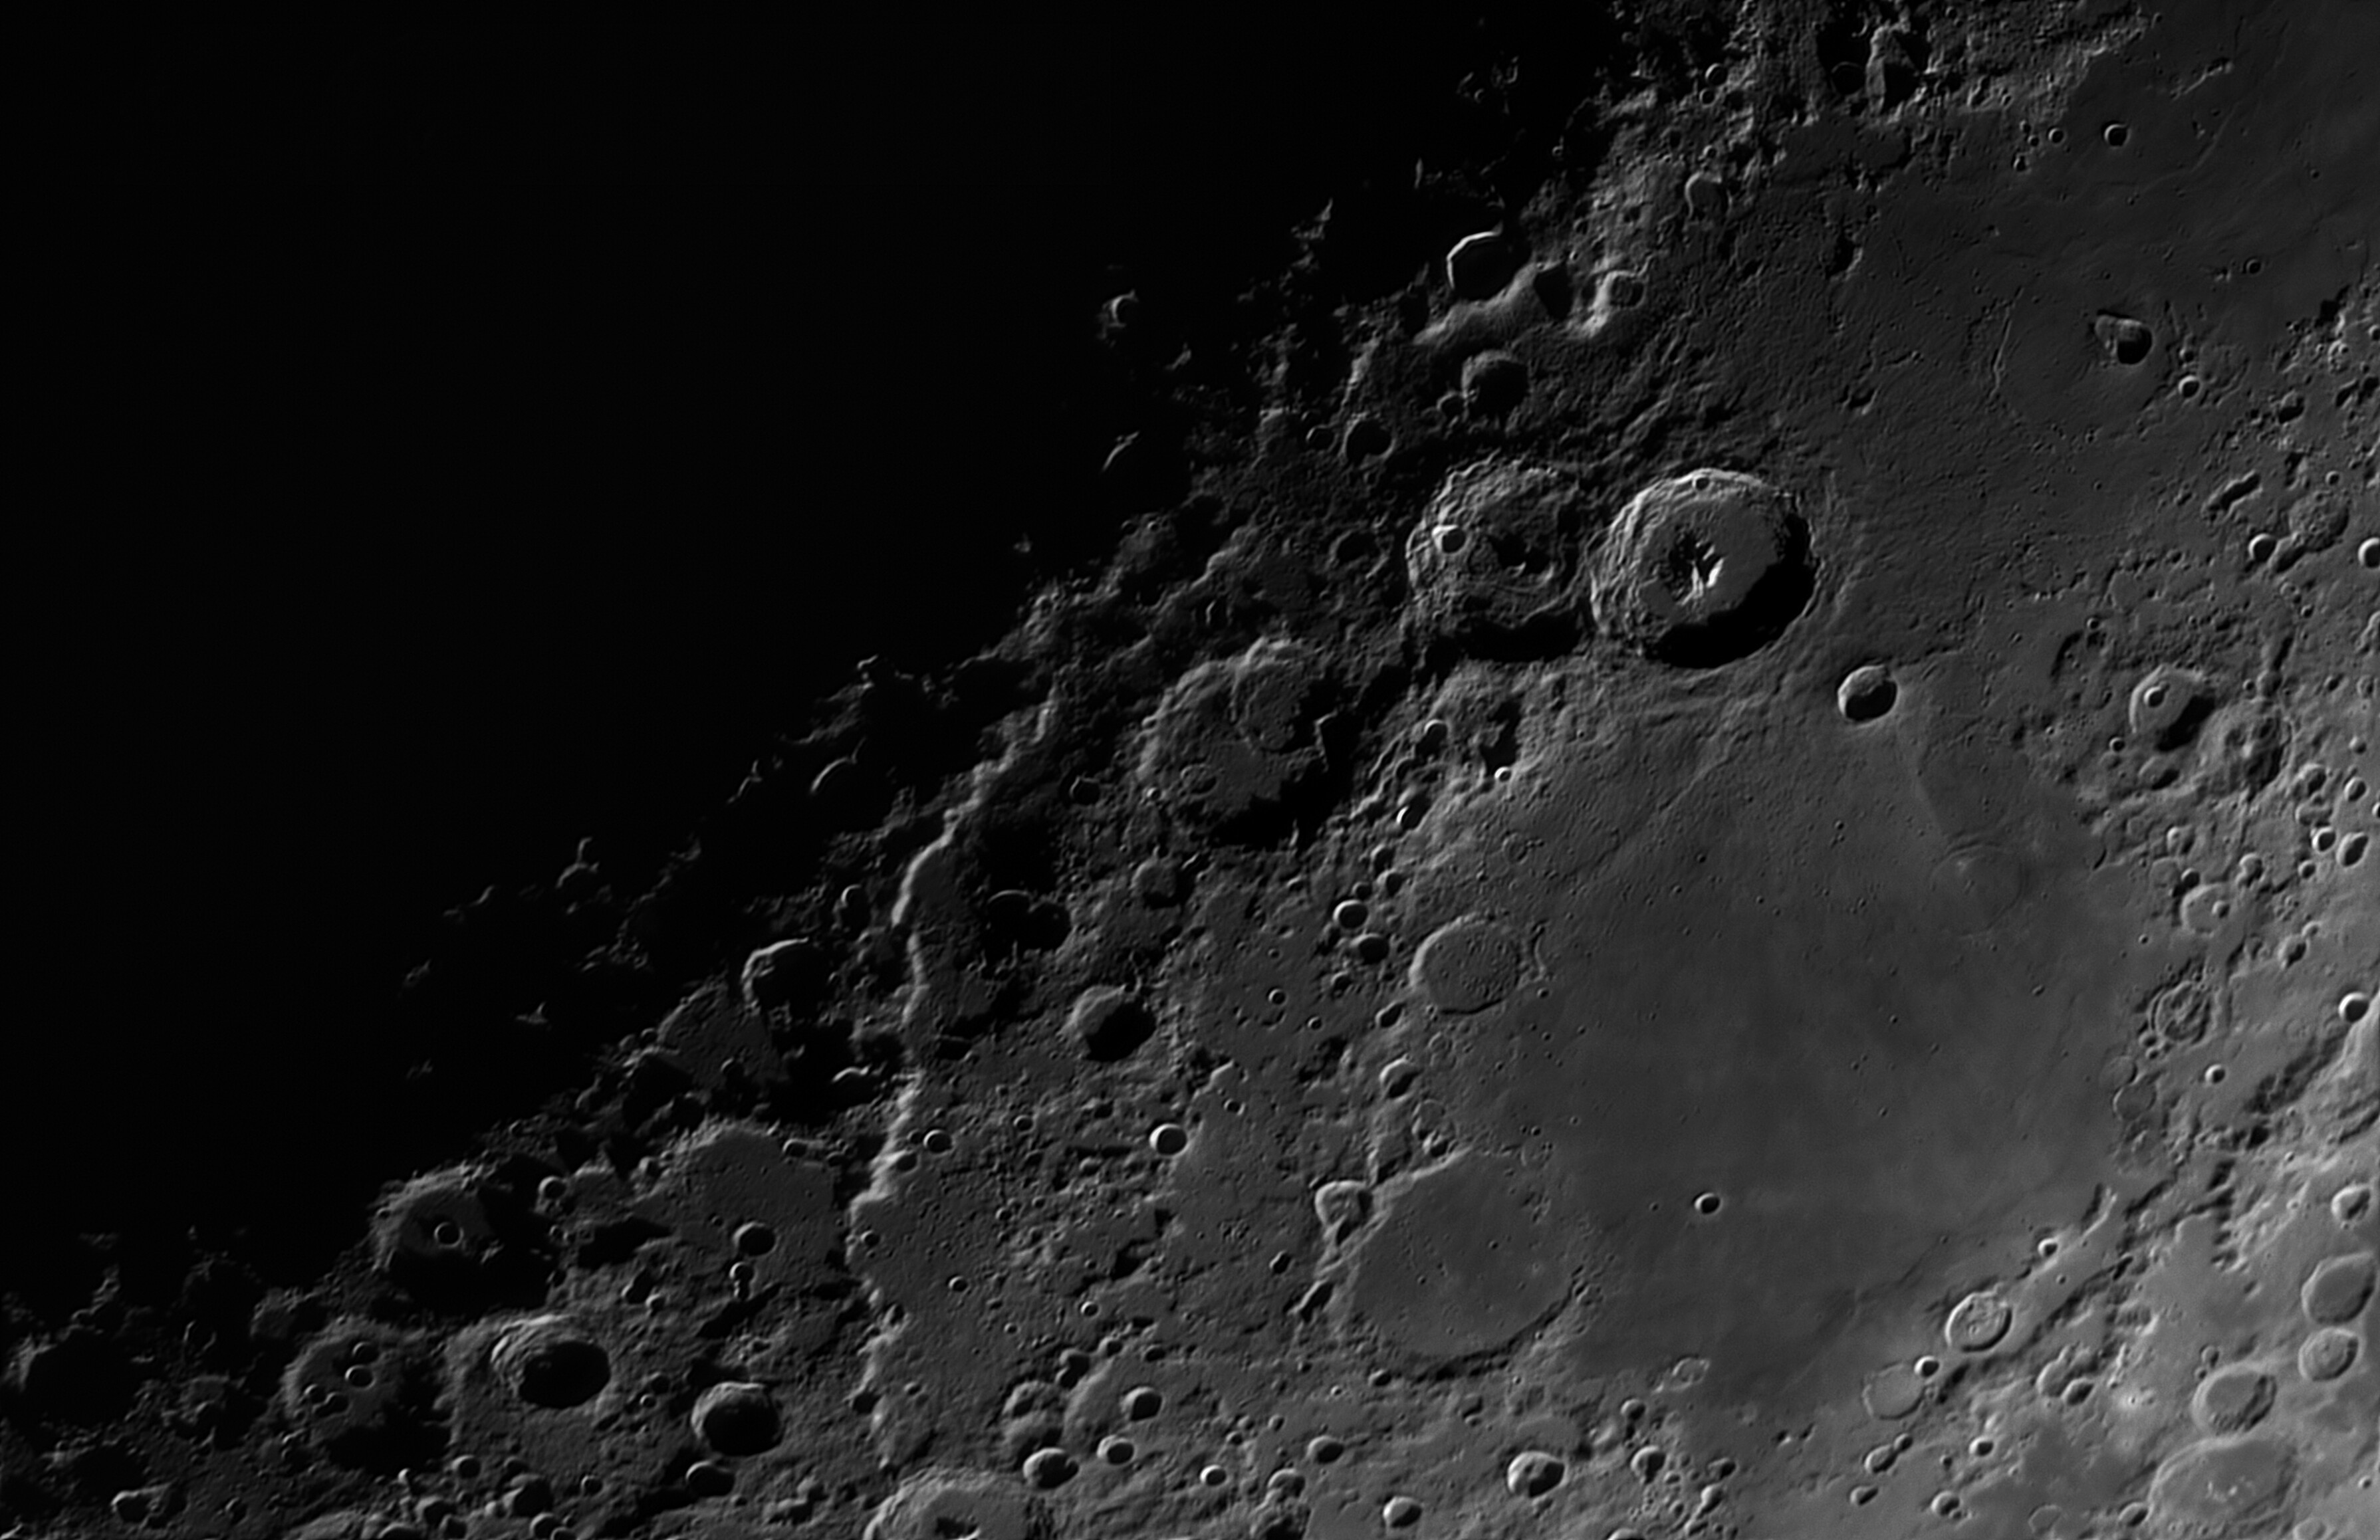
<point>2233,1399</point>
<point>2328,1352</point>
<point>1893,1392</point>
<point>1479,266</point>
<point>2168,705</point>
<point>736,1417</point>
<point>2337,1288</point>
<point>1866,693</point>
<point>1468,965</point>
<point>1533,1472</point>
<point>2122,340</point>
<point>2208,907</point>
<point>1493,382</point>
<point>1109,1024</point>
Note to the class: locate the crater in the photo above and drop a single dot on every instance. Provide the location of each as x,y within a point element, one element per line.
<point>2233,1399</point>
<point>1461,1263</point>
<point>1704,568</point>
<point>1469,965</point>
<point>550,1363</point>
<point>2337,1288</point>
<point>1495,560</point>
<point>2223,1482</point>
<point>944,1503</point>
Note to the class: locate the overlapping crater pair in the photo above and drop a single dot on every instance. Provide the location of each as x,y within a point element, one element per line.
<point>1514,560</point>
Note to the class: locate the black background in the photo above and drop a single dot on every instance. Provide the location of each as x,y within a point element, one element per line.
<point>451,445</point>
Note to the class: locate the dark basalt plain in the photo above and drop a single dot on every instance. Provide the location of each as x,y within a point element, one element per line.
<point>1604,777</point>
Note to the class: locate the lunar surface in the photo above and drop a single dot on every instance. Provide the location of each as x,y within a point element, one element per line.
<point>1693,859</point>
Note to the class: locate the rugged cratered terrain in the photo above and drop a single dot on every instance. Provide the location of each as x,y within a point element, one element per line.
<point>1699,866</point>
